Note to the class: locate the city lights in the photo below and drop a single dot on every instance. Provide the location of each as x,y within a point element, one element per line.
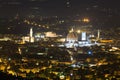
<point>59,40</point>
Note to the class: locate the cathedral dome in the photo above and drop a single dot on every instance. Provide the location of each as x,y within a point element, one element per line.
<point>72,37</point>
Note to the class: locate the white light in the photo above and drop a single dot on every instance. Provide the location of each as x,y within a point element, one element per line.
<point>83,35</point>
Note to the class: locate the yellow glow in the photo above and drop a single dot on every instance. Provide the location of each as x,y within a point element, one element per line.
<point>106,41</point>
<point>78,31</point>
<point>70,31</point>
<point>86,20</point>
<point>0,60</point>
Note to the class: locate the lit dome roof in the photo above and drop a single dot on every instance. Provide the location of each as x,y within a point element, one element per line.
<point>72,36</point>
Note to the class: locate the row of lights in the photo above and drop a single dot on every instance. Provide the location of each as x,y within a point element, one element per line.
<point>35,24</point>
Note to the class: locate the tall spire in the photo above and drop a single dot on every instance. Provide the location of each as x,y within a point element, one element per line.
<point>31,32</point>
<point>98,35</point>
<point>31,38</point>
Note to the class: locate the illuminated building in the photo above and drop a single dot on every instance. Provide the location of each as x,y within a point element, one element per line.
<point>5,39</point>
<point>98,36</point>
<point>91,38</point>
<point>80,39</point>
<point>31,38</point>
<point>72,36</point>
<point>25,39</point>
<point>84,36</point>
<point>50,34</point>
<point>39,36</point>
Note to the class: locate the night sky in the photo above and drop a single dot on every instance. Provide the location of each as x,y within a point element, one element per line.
<point>59,7</point>
<point>105,13</point>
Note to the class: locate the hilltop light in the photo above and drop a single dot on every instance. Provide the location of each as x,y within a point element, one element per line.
<point>86,20</point>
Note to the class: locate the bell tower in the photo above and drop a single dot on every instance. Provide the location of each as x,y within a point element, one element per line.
<point>31,38</point>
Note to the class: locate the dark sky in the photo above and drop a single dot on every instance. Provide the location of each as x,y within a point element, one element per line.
<point>58,7</point>
<point>102,13</point>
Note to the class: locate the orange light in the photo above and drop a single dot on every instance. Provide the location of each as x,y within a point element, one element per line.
<point>86,20</point>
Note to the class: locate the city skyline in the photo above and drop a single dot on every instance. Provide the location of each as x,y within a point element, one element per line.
<point>60,39</point>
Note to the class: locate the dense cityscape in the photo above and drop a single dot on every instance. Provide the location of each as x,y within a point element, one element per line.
<point>59,40</point>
